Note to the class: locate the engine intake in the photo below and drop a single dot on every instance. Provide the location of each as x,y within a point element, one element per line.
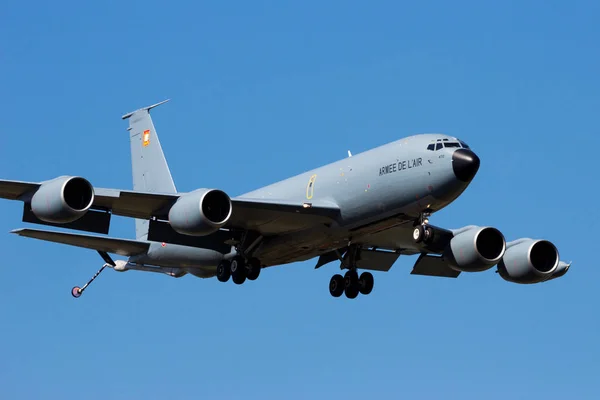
<point>475,249</point>
<point>201,212</point>
<point>62,200</point>
<point>531,261</point>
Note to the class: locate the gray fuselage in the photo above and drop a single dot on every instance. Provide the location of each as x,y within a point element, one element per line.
<point>399,181</point>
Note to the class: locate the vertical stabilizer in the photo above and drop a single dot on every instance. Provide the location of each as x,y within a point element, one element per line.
<point>149,166</point>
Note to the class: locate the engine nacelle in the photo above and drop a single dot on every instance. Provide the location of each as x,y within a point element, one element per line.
<point>201,212</point>
<point>475,249</point>
<point>531,261</point>
<point>62,200</point>
<point>562,269</point>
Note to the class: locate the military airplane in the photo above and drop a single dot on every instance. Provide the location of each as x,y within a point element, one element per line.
<point>363,211</point>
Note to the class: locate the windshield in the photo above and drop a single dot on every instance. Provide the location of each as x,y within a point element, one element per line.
<point>451,144</point>
<point>441,143</point>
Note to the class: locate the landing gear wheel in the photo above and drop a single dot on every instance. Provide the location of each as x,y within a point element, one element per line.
<point>238,270</point>
<point>351,287</point>
<point>224,271</point>
<point>238,279</point>
<point>336,285</point>
<point>253,268</point>
<point>365,283</point>
<point>76,291</point>
<point>428,234</point>
<point>418,233</point>
<point>423,233</point>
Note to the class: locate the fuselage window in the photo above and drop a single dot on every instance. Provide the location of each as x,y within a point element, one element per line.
<point>430,147</point>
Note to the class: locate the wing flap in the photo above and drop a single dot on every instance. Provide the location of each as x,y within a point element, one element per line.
<point>376,260</point>
<point>433,266</point>
<point>122,247</point>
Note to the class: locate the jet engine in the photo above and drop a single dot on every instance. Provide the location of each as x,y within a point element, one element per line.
<point>531,261</point>
<point>475,249</point>
<point>201,212</point>
<point>62,200</point>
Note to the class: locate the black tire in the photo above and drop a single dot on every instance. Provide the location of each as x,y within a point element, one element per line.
<point>351,288</point>
<point>238,270</point>
<point>418,234</point>
<point>238,279</point>
<point>351,278</point>
<point>224,271</point>
<point>351,292</point>
<point>253,269</point>
<point>336,285</point>
<point>365,283</point>
<point>428,236</point>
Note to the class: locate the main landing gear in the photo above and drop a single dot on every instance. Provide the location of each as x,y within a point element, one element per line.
<point>351,284</point>
<point>238,269</point>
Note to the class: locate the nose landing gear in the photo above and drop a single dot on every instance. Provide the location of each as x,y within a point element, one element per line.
<point>422,231</point>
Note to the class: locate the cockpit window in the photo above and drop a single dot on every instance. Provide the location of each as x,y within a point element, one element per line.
<point>451,144</point>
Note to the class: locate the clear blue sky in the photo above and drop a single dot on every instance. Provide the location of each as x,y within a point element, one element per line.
<point>262,91</point>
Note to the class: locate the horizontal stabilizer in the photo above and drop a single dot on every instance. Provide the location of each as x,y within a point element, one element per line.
<point>433,266</point>
<point>122,247</point>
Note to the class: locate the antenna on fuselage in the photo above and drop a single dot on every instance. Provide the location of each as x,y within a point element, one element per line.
<point>349,154</point>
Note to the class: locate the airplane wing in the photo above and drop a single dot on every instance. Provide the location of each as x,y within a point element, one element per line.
<point>122,247</point>
<point>14,190</point>
<point>265,216</point>
<point>246,213</point>
<point>269,216</point>
<point>134,204</point>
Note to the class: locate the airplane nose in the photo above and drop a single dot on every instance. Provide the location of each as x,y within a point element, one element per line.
<point>465,164</point>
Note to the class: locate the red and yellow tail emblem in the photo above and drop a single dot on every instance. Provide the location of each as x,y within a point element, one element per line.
<point>146,138</point>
